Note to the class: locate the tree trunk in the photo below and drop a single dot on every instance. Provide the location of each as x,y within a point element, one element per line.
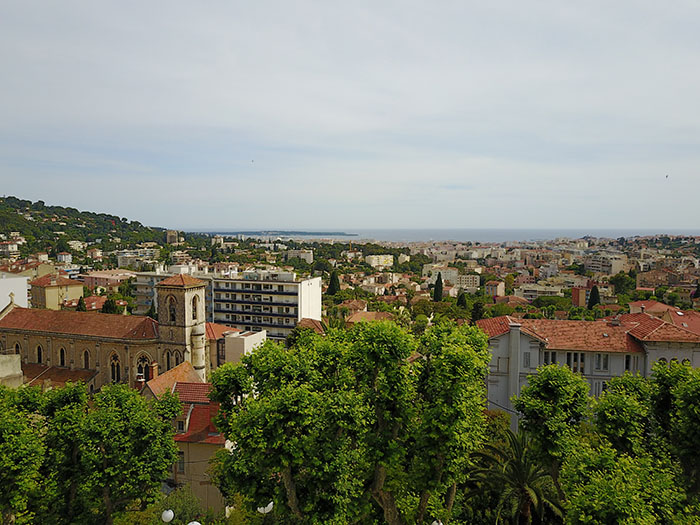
<point>423,505</point>
<point>450,501</point>
<point>291,489</point>
<point>385,499</point>
<point>554,472</point>
<point>526,513</point>
<point>107,500</point>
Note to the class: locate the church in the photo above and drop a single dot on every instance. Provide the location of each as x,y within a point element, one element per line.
<point>99,349</point>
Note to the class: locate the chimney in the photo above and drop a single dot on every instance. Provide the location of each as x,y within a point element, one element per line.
<point>615,321</point>
<point>154,369</point>
<point>140,382</point>
<point>643,308</point>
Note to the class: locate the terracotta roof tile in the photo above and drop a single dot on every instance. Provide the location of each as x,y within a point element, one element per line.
<point>649,328</point>
<point>181,280</point>
<point>106,326</point>
<point>51,279</point>
<point>201,427</point>
<point>216,331</point>
<point>165,382</point>
<point>38,374</point>
<point>193,392</point>
<point>312,324</point>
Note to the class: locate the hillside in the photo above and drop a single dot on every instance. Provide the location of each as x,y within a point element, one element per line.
<point>41,224</point>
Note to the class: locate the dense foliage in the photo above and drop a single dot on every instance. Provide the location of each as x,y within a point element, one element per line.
<point>352,427</point>
<point>69,459</point>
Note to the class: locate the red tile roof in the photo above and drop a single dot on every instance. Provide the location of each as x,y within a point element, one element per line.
<point>51,279</point>
<point>181,280</point>
<point>105,326</point>
<point>312,324</point>
<point>201,427</point>
<point>165,382</point>
<point>93,302</point>
<point>688,319</point>
<point>193,392</point>
<point>594,336</point>
<point>38,374</point>
<point>651,307</point>
<point>649,328</point>
<point>216,331</point>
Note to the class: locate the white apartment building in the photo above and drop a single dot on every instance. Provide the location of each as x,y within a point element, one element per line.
<point>305,255</point>
<point>599,350</point>
<point>269,300</point>
<point>610,264</point>
<point>533,291</point>
<point>468,282</point>
<point>380,261</point>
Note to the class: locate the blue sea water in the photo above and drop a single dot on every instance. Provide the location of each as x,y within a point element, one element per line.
<point>477,234</point>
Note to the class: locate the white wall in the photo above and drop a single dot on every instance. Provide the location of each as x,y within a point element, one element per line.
<point>15,285</point>
<point>310,299</point>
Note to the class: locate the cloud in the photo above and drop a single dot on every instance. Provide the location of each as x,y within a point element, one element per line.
<point>307,114</point>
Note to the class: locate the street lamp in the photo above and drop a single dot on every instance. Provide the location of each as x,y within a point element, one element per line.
<point>267,509</point>
<point>167,516</point>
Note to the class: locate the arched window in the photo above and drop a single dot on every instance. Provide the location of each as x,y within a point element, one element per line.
<point>142,368</point>
<point>178,358</point>
<point>172,308</point>
<point>62,357</point>
<point>86,360</point>
<point>686,361</point>
<point>115,369</point>
<point>168,365</point>
<point>663,360</point>
<point>195,304</point>
<point>18,349</point>
<point>39,352</point>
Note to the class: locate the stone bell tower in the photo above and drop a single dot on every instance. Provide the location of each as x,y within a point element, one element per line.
<point>181,318</point>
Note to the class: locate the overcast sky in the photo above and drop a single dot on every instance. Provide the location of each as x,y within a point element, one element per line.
<point>342,115</point>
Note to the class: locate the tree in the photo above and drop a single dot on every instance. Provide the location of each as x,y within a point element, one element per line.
<point>126,449</point>
<point>437,291</point>
<point>623,283</point>
<point>462,300</point>
<point>152,311</point>
<point>523,485</point>
<point>553,404</point>
<point>622,414</point>
<point>347,429</point>
<point>110,307</point>
<point>334,284</point>
<point>606,487</point>
<point>477,312</point>
<point>21,454</point>
<point>594,298</point>
<point>81,306</point>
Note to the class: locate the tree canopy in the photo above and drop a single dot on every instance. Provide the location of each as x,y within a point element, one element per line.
<point>362,425</point>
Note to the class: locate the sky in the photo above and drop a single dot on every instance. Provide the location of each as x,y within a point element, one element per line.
<point>338,115</point>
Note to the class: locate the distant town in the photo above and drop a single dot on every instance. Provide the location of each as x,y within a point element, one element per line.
<point>93,299</point>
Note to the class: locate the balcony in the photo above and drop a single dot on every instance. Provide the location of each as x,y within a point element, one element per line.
<point>254,292</point>
<point>264,303</point>
<point>248,312</point>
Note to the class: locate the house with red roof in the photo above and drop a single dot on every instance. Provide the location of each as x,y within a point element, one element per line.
<point>599,350</point>
<point>51,290</point>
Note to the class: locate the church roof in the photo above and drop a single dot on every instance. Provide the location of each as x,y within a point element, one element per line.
<point>181,280</point>
<point>65,322</point>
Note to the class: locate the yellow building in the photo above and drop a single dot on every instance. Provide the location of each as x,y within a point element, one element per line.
<point>51,290</point>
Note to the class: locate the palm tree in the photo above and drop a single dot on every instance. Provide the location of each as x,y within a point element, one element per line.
<point>522,483</point>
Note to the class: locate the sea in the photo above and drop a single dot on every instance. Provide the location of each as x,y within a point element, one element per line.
<point>482,235</point>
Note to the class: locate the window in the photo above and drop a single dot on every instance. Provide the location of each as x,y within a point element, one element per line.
<point>62,357</point>
<point>628,362</point>
<point>181,462</point>
<point>86,359</point>
<point>142,368</point>
<point>168,364</point>
<point>178,358</point>
<point>526,360</point>
<point>195,303</point>
<point>39,352</point>
<point>550,358</point>
<point>18,349</point>
<point>601,362</point>
<point>115,369</point>
<point>172,308</point>
<point>575,361</point>
<point>181,426</point>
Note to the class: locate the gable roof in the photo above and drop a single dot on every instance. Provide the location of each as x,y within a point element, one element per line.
<point>646,327</point>
<point>688,319</point>
<point>165,382</point>
<point>192,392</point>
<point>38,374</point>
<point>311,324</point>
<point>51,279</point>
<point>651,306</point>
<point>181,280</point>
<point>216,331</point>
<point>66,322</point>
<point>200,427</point>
